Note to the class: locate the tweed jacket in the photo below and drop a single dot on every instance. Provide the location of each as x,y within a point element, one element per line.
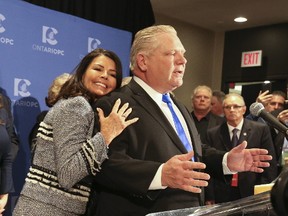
<point>66,153</point>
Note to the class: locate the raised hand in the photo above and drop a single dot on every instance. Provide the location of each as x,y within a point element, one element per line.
<point>180,172</point>
<point>240,159</point>
<point>283,116</point>
<point>112,125</point>
<point>264,97</point>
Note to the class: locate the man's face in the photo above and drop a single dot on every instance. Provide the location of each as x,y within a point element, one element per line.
<point>216,106</point>
<point>276,102</point>
<point>234,109</point>
<point>165,66</point>
<point>202,100</point>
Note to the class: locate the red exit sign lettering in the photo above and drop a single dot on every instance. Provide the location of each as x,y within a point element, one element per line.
<point>251,58</point>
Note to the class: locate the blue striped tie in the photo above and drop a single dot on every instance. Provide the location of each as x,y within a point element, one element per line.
<point>178,125</point>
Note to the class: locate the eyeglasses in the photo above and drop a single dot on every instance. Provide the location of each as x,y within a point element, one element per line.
<point>235,107</point>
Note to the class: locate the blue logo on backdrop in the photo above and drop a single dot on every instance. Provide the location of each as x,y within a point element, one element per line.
<point>93,43</point>
<point>2,18</point>
<point>48,37</point>
<point>21,87</point>
<point>4,40</point>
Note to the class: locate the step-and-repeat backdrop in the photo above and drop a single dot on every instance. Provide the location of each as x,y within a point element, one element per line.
<point>36,45</point>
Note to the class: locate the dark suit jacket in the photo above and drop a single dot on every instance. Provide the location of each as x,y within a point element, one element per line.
<point>257,135</point>
<point>136,154</point>
<point>278,139</point>
<point>10,125</point>
<point>211,119</point>
<point>6,156</point>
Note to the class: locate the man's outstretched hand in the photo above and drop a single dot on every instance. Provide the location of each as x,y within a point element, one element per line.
<point>182,173</point>
<point>240,159</point>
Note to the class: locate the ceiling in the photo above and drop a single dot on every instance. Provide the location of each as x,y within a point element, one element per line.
<point>218,15</point>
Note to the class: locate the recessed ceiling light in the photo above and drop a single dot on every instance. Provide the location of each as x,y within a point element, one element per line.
<point>240,19</point>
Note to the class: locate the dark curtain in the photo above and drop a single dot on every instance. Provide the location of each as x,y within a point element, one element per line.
<point>129,15</point>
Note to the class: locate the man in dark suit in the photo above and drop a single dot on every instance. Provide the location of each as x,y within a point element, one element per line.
<point>149,169</point>
<point>256,134</point>
<point>279,139</point>
<point>10,127</point>
<point>203,117</point>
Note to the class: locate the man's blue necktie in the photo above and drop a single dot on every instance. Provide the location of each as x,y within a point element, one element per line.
<point>178,125</point>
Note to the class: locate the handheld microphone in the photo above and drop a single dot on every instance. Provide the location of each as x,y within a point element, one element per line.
<point>257,109</point>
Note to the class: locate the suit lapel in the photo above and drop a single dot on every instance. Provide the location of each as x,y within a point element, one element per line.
<point>245,131</point>
<point>147,103</point>
<point>211,121</point>
<point>225,139</point>
<point>244,134</point>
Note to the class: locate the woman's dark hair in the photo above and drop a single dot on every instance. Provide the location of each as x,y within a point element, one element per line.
<point>75,87</point>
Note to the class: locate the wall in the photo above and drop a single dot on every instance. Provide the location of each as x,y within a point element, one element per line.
<point>204,52</point>
<point>272,40</point>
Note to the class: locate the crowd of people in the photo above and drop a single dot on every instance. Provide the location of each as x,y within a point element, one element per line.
<point>109,146</point>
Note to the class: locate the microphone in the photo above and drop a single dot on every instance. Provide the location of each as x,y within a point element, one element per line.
<point>257,109</point>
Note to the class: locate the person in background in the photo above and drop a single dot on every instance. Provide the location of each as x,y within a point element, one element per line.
<point>53,92</point>
<point>158,163</point>
<point>12,131</point>
<point>6,103</point>
<point>217,103</point>
<point>271,102</point>
<point>6,157</point>
<point>203,117</point>
<point>281,140</point>
<point>68,152</point>
<point>256,134</point>
<point>202,114</point>
<point>274,104</point>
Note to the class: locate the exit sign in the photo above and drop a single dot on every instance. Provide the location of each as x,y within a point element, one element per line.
<point>251,58</point>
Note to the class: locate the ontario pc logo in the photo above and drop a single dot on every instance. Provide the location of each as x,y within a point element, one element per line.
<point>48,35</point>
<point>21,87</point>
<point>93,44</point>
<point>4,40</point>
<point>49,38</point>
<point>2,18</point>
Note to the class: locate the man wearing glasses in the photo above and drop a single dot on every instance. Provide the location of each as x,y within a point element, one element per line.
<point>225,136</point>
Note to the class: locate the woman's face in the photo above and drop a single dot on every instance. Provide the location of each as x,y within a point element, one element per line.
<point>100,76</point>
